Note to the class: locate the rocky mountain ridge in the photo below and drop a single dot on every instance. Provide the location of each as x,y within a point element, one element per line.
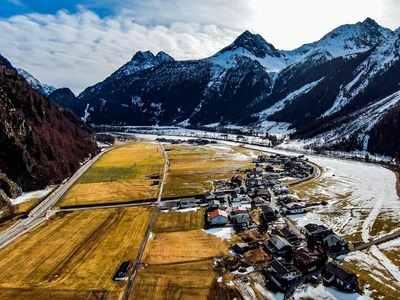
<point>36,84</point>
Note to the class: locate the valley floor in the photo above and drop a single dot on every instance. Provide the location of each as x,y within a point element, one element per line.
<point>69,260</point>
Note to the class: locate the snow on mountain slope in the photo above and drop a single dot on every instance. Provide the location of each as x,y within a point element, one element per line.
<point>141,61</point>
<point>361,123</point>
<point>36,84</point>
<point>254,47</point>
<point>228,58</point>
<point>384,56</point>
<point>342,41</point>
<point>278,106</point>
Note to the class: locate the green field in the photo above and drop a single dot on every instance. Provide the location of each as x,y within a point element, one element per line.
<point>120,175</point>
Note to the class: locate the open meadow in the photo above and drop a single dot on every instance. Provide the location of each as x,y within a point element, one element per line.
<point>119,176</point>
<point>178,260</point>
<point>73,256</point>
<point>193,168</point>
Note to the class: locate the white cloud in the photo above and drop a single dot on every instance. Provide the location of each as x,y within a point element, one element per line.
<point>78,50</point>
<point>16,2</point>
<point>81,49</point>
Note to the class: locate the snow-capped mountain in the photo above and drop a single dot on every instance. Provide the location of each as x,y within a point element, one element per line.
<point>254,47</point>
<point>347,74</point>
<point>36,84</point>
<point>139,62</point>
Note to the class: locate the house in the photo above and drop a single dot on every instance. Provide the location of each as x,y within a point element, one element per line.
<point>287,198</point>
<point>209,196</point>
<point>239,210</point>
<point>335,244</point>
<point>294,238</point>
<point>263,193</point>
<point>240,199</point>
<point>240,221</point>
<point>258,202</point>
<point>240,248</point>
<point>219,195</point>
<point>237,180</point>
<point>268,213</point>
<point>282,272</point>
<point>279,190</point>
<point>294,208</point>
<point>214,203</point>
<point>187,203</point>
<point>339,276</point>
<point>277,245</point>
<point>307,260</point>
<point>317,231</point>
<point>218,217</point>
<point>258,168</point>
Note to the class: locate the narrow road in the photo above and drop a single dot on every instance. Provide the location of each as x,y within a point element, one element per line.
<point>37,215</point>
<point>166,166</point>
<point>385,238</point>
<point>149,226</point>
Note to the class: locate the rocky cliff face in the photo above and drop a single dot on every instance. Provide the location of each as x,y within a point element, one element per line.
<point>41,143</point>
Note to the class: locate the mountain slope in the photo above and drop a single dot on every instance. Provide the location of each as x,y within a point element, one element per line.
<point>309,91</point>
<point>36,84</point>
<point>41,142</point>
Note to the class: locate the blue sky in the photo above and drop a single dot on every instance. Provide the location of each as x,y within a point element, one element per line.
<point>16,7</point>
<point>78,43</point>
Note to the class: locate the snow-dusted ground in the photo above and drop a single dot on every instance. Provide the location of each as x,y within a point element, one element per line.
<point>362,196</point>
<point>31,195</point>
<point>223,233</point>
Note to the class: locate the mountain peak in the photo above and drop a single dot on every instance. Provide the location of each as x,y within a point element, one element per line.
<point>142,56</point>
<point>163,57</point>
<point>255,44</point>
<point>370,22</point>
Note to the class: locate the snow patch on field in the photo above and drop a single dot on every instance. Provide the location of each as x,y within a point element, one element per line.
<point>223,233</point>
<point>183,210</point>
<point>321,292</point>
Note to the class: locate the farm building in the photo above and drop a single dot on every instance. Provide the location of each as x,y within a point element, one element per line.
<point>187,203</point>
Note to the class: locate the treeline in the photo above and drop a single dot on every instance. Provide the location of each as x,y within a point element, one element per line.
<point>385,136</point>
<point>41,143</point>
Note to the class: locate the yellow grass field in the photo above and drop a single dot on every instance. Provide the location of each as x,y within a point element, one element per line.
<point>74,256</point>
<point>178,261</point>
<point>119,176</point>
<point>178,221</point>
<point>193,168</point>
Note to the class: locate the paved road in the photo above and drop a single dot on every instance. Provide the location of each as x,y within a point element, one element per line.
<point>38,215</point>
